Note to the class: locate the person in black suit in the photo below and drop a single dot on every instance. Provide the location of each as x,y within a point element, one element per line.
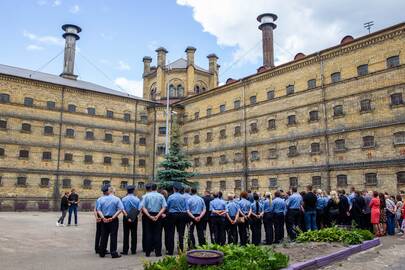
<point>207,199</point>
<point>64,206</point>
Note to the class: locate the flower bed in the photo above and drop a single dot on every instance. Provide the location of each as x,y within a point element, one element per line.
<point>248,257</point>
<point>335,234</point>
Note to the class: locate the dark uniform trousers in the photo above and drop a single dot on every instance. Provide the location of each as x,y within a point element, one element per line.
<point>320,218</point>
<point>98,236</point>
<point>109,229</point>
<point>268,228</point>
<point>130,228</point>
<point>218,228</point>
<point>176,221</point>
<point>243,232</point>
<point>153,235</point>
<point>232,231</point>
<point>293,220</point>
<point>256,228</point>
<point>278,227</point>
<point>200,233</point>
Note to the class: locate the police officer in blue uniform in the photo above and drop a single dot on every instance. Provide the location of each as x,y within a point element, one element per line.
<point>244,208</point>
<point>153,207</point>
<point>177,217</point>
<point>130,220</point>
<point>294,213</point>
<point>255,219</point>
<point>232,215</point>
<point>278,208</point>
<point>268,219</point>
<point>218,211</point>
<point>109,208</point>
<point>196,211</point>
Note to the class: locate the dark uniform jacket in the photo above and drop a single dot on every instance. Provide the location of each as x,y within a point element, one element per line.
<point>64,203</point>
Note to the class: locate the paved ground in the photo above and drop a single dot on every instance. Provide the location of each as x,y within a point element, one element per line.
<point>30,240</point>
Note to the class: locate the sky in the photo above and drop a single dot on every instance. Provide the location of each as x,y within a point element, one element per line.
<point>117,34</point>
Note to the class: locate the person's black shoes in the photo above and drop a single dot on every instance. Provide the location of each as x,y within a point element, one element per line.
<point>159,255</point>
<point>124,253</point>
<point>116,255</point>
<point>102,255</point>
<point>147,254</point>
<point>133,252</point>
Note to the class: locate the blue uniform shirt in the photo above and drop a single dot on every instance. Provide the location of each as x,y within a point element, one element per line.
<point>131,201</point>
<point>153,202</point>
<point>294,201</point>
<point>321,202</point>
<point>109,205</point>
<point>244,206</point>
<point>232,208</point>
<point>217,205</point>
<point>278,206</point>
<point>253,206</point>
<point>195,204</point>
<point>267,206</point>
<point>176,203</point>
<point>187,196</point>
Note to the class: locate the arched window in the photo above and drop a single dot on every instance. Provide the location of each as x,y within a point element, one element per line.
<point>180,90</point>
<point>172,91</point>
<point>153,94</point>
<point>197,89</point>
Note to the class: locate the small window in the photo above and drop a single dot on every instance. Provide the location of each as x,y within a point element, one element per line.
<point>401,178</point>
<point>238,157</point>
<point>21,181</point>
<point>209,112</point>
<point>25,127</point>
<point>393,61</point>
<point>222,134</point>
<point>399,138</point>
<point>24,154</point>
<point>110,114</point>
<point>292,151</point>
<point>365,105</point>
<point>106,182</point>
<point>87,183</point>
<point>341,180</point>
<point>253,128</point>
<point>108,137</point>
<point>293,182</point>
<point>208,185</point>
<point>28,102</point>
<point>313,116</point>
<point>338,111</point>
<point>316,181</point>
<point>48,130</point>
<point>51,105</point>
<point>141,185</point>
<point>273,153</point>
<point>141,163</point>
<point>371,179</point>
<point>290,89</point>
<point>270,94</point>
<point>142,141</point>
<point>209,137</point>
<point>70,132</point>
<point>44,182</point>
<point>88,159</point>
<point>315,148</point>
<point>124,161</point>
<point>91,111</point>
<point>68,157</point>
<point>273,183</point>
<point>196,139</point>
<point>66,183</point>
<point>236,104</point>
<point>340,145</point>
<point>271,124</point>
<point>255,183</point>
<point>254,156</point>
<point>89,135</point>
<point>396,99</point>
<point>252,100</point>
<point>222,108</point>
<point>2,152</point>
<point>237,131</point>
<point>185,140</point>
<point>222,185</point>
<point>291,120</point>
<point>71,108</point>
<point>209,161</point>
<point>196,115</point>
<point>196,162</point>
<point>3,124</point>
<point>127,117</point>
<point>311,83</point>
<point>368,142</point>
<point>197,89</point>
<point>144,118</point>
<point>161,150</point>
<point>362,70</point>
<point>123,184</point>
<point>4,98</point>
<point>46,155</point>
<point>238,184</point>
<point>162,131</point>
<point>335,77</point>
<point>107,160</point>
<point>223,159</point>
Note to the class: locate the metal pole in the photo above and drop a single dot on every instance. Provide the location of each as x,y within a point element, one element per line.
<point>167,118</point>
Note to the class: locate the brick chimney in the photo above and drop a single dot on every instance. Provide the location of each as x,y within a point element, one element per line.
<point>190,51</point>
<point>161,56</point>
<point>267,26</point>
<point>146,64</point>
<point>70,36</point>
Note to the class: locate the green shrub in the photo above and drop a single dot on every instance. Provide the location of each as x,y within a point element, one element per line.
<point>335,234</point>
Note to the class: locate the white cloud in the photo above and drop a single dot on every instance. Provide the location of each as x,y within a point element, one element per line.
<point>74,9</point>
<point>33,47</point>
<point>56,3</point>
<point>122,65</point>
<point>41,2</point>
<point>134,87</point>
<point>45,40</point>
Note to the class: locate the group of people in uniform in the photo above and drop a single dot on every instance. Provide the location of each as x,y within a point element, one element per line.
<point>235,220</point>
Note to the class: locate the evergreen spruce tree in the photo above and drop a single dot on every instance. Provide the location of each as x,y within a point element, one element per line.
<point>175,165</point>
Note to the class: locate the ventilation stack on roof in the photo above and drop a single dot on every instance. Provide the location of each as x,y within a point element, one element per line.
<point>267,26</point>
<point>70,36</point>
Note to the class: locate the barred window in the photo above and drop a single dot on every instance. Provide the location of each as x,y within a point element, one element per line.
<point>91,111</point>
<point>236,104</point>
<point>222,134</point>
<point>222,185</point>
<point>401,177</point>
<point>209,112</point>
<point>365,105</point>
<point>68,157</point>
<point>25,127</point>
<point>341,180</point>
<point>393,61</point>
<point>254,155</point>
<point>108,137</point>
<point>371,179</point>
<point>335,77</point>
<point>2,152</point>
<point>237,131</point>
<point>109,114</point>
<point>208,185</point>
<point>123,184</point>
<point>21,181</point>
<point>48,130</point>
<point>315,148</point>
<point>209,137</point>
<point>222,108</point>
<point>273,183</point>
<point>71,108</point>
<point>368,141</point>
<point>338,110</point>
<point>86,183</point>
<point>44,182</point>
<point>70,132</point>
<point>106,182</point>
<point>127,117</point>
<point>340,145</point>
<point>46,155</point>
<point>89,135</point>
<point>292,151</point>
<point>88,159</point>
<point>144,119</point>
<point>313,116</point>
<point>399,137</point>
<point>185,140</point>
<point>396,99</point>
<point>290,89</point>
<point>252,100</point>
<point>223,159</point>
<point>311,83</point>
<point>238,157</point>
<point>196,139</point>
<point>162,131</point>
<point>3,124</point>
<point>28,102</point>
<point>24,154</point>
<point>161,150</point>
<point>238,184</point>
<point>273,153</point>
<point>196,162</point>
<point>125,139</point>
<point>253,128</point>
<point>142,163</point>
<point>291,120</point>
<point>270,94</point>
<point>208,161</point>
<point>271,124</point>
<point>255,183</point>
<point>141,185</point>
<point>196,115</point>
<point>107,160</point>
<point>51,105</point>
<point>362,70</point>
<point>66,183</point>
<point>142,141</point>
<point>124,161</point>
<point>4,98</point>
<point>316,181</point>
<point>293,182</point>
